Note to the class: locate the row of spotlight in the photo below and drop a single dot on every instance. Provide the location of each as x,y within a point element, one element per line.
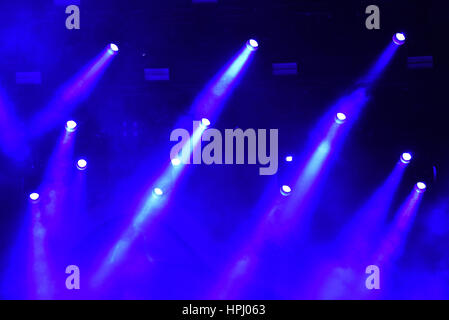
<point>81,164</point>
<point>406,157</point>
<point>340,118</point>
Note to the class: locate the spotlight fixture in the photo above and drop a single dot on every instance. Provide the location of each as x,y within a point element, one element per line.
<point>113,49</point>
<point>406,157</point>
<point>252,44</point>
<point>175,162</point>
<point>399,38</point>
<point>34,196</point>
<point>205,122</point>
<point>158,192</point>
<point>81,164</point>
<point>421,187</point>
<point>286,190</point>
<point>289,158</point>
<point>340,118</point>
<point>70,126</point>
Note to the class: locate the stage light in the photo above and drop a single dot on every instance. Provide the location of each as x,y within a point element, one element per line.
<point>399,38</point>
<point>252,44</point>
<point>158,192</point>
<point>176,162</point>
<point>71,126</point>
<point>34,196</point>
<point>205,122</point>
<point>340,118</point>
<point>81,164</point>
<point>286,190</point>
<point>289,158</point>
<point>113,48</point>
<point>421,187</point>
<point>406,157</point>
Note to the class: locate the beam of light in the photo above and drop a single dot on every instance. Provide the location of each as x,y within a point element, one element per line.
<point>12,138</point>
<point>57,175</point>
<point>327,139</point>
<point>42,285</point>
<point>353,246</point>
<point>393,242</point>
<point>379,67</point>
<point>71,94</point>
<point>208,104</point>
<point>359,235</point>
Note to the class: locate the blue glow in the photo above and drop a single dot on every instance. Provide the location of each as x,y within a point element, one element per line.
<point>71,94</point>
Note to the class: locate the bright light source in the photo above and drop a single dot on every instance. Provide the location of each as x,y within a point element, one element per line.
<point>70,126</point>
<point>421,187</point>
<point>252,44</point>
<point>81,164</point>
<point>399,38</point>
<point>286,190</point>
<point>175,162</point>
<point>406,157</point>
<point>340,118</point>
<point>205,122</point>
<point>113,49</point>
<point>289,158</point>
<point>34,196</point>
<point>158,192</point>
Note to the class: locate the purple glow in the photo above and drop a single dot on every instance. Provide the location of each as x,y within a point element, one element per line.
<point>399,38</point>
<point>209,103</point>
<point>394,241</point>
<point>81,164</point>
<point>212,98</point>
<point>71,94</point>
<point>406,157</point>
